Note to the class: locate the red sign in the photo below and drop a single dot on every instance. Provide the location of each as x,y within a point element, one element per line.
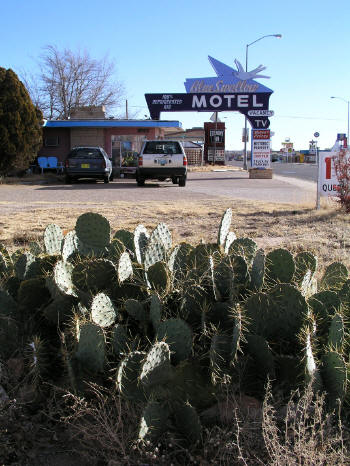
<point>261,134</point>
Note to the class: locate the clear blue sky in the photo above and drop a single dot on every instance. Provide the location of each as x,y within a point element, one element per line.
<point>157,44</point>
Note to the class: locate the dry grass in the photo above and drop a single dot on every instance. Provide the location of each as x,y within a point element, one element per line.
<point>325,232</point>
<point>300,433</point>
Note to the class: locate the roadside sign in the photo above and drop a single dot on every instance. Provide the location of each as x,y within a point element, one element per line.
<point>261,150</point>
<point>328,183</point>
<point>316,135</point>
<point>267,113</point>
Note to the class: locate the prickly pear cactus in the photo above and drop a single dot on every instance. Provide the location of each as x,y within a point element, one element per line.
<point>305,263</point>
<point>257,274</point>
<point>103,312</point>
<point>336,335</point>
<point>154,421</point>
<point>188,423</point>
<point>179,260</point>
<point>23,263</point>
<point>126,238</point>
<point>125,269</point>
<point>280,266</point>
<point>136,310</point>
<point>178,335</point>
<point>91,348</point>
<point>220,356</point>
<point>156,369</point>
<point>334,277</point>
<point>94,275</point>
<point>8,305</point>
<point>69,245</point>
<point>155,311</point>
<point>159,278</point>
<point>3,265</point>
<point>161,234</point>
<point>120,341</point>
<point>334,377</point>
<point>224,228</point>
<point>141,237</point>
<point>244,247</point>
<point>53,238</point>
<point>93,230</point>
<point>62,278</point>
<point>128,377</point>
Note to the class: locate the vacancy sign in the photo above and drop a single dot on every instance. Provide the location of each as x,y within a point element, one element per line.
<point>261,150</point>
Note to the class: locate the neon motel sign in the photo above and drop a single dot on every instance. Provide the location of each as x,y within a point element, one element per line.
<point>231,90</point>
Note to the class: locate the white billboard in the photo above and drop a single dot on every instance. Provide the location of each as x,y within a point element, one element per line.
<point>261,150</point>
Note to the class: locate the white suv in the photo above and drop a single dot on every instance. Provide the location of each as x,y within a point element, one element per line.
<point>160,160</point>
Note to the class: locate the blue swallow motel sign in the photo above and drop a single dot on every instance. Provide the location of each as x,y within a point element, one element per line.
<point>231,90</point>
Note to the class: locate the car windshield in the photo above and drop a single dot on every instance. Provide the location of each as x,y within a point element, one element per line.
<point>85,153</point>
<point>162,147</point>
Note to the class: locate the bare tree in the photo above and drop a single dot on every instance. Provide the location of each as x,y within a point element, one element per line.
<point>68,80</point>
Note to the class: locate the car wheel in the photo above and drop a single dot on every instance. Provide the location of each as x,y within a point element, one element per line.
<point>106,179</point>
<point>67,179</point>
<point>140,182</point>
<point>182,181</point>
<point>111,178</point>
<point>174,180</point>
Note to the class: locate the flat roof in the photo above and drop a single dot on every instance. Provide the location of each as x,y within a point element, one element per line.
<point>73,123</point>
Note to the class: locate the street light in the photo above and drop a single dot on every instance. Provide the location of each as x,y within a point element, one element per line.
<point>344,100</point>
<point>246,69</point>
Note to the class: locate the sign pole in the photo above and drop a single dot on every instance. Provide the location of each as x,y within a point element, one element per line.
<point>318,205</point>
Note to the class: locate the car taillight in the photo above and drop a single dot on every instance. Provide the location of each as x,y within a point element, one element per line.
<point>140,161</point>
<point>185,160</point>
<point>67,163</point>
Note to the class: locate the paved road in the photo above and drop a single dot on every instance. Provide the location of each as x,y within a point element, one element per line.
<point>303,171</point>
<point>227,184</point>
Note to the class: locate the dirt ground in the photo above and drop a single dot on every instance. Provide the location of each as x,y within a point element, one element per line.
<point>325,232</point>
<point>297,227</point>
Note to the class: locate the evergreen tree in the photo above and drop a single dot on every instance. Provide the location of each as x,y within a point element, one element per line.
<point>20,124</point>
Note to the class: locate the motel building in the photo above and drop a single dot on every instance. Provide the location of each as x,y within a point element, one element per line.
<point>122,139</point>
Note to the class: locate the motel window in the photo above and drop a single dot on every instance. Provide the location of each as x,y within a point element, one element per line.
<point>51,141</point>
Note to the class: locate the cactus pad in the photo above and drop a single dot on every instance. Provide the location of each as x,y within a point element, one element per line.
<point>334,277</point>
<point>159,277</point>
<point>178,335</point>
<point>187,422</point>
<point>93,230</point>
<point>154,421</point>
<point>91,348</point>
<point>53,238</point>
<point>244,247</point>
<point>128,376</point>
<point>141,237</point>
<point>224,228</point>
<point>103,312</point>
<point>156,369</point>
<point>125,269</point>
<point>280,266</point>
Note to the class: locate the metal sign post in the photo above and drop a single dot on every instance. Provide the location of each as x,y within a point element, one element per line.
<point>318,206</point>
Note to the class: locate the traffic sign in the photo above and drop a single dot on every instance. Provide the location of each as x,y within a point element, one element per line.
<point>316,135</point>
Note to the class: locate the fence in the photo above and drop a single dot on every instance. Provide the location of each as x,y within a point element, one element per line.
<point>194,156</point>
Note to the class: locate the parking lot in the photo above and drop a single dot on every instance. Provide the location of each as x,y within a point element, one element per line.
<point>222,184</point>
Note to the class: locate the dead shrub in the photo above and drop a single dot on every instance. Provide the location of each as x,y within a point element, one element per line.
<point>304,433</point>
<point>103,426</point>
